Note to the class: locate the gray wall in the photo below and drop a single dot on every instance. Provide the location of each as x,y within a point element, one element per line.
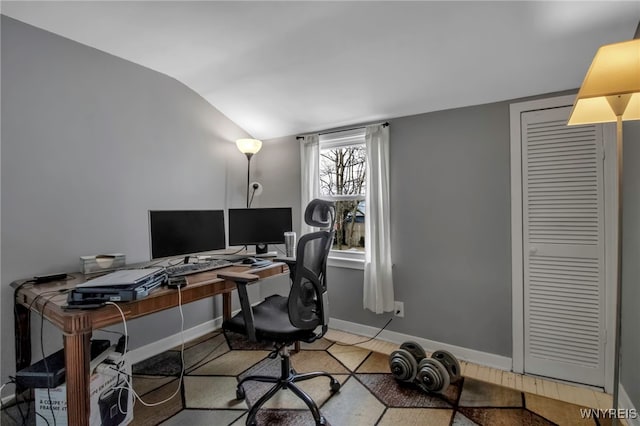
<point>630,351</point>
<point>450,230</point>
<point>90,143</point>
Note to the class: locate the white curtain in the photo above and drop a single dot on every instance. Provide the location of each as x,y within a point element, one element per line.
<point>378,278</point>
<point>309,174</point>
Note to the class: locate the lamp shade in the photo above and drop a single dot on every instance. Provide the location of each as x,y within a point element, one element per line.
<point>249,146</point>
<point>611,86</point>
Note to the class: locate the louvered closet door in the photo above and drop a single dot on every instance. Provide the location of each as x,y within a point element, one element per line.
<point>563,247</point>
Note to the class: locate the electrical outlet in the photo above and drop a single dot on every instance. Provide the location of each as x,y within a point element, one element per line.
<point>398,309</point>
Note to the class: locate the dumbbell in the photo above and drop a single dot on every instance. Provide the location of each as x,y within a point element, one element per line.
<point>404,361</point>
<point>410,363</point>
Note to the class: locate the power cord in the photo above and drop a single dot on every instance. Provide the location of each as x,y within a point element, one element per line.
<point>1,407</point>
<point>127,376</point>
<point>364,341</point>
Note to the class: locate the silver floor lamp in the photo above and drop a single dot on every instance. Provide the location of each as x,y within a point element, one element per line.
<point>611,92</point>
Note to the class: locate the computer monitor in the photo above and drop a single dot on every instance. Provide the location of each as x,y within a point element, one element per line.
<point>180,232</point>
<point>259,226</point>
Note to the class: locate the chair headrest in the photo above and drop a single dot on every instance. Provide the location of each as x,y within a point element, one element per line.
<point>320,213</point>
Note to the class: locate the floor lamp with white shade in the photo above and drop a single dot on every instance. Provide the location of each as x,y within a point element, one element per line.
<point>611,92</point>
<point>249,147</point>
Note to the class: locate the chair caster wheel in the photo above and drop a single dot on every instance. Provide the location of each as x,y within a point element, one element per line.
<point>335,385</point>
<point>240,395</point>
<point>322,421</point>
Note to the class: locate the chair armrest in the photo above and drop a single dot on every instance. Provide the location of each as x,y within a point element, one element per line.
<point>291,262</point>
<point>242,279</point>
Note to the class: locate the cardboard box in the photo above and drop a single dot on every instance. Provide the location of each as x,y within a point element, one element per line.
<point>111,401</point>
<point>101,263</point>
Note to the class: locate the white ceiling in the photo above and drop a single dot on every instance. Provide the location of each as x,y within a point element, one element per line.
<point>284,68</point>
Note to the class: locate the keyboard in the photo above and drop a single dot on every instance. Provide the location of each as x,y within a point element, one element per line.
<point>194,268</point>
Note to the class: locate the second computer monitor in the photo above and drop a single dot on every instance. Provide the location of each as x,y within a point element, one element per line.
<point>259,226</point>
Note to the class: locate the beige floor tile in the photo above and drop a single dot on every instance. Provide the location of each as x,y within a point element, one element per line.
<point>212,392</point>
<point>483,373</point>
<point>354,405</point>
<point>495,376</point>
<point>508,379</point>
<point>558,412</point>
<point>320,344</point>
<point>145,384</point>
<point>341,336</point>
<point>529,384</point>
<point>471,371</point>
<point>242,421</point>
<point>549,389</point>
<point>585,397</point>
<point>308,361</point>
<point>463,367</point>
<point>375,363</point>
<point>519,385</point>
<point>476,393</point>
<point>379,346</point>
<point>199,355</point>
<point>231,364</point>
<point>350,356</point>
<point>203,418</point>
<point>144,415</point>
<point>416,417</point>
<point>567,393</point>
<point>604,400</point>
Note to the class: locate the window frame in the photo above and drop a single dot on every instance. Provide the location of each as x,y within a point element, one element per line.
<point>344,139</point>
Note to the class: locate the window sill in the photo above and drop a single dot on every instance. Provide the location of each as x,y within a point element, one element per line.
<point>351,262</point>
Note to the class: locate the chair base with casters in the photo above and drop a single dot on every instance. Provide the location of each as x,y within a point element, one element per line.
<point>287,380</point>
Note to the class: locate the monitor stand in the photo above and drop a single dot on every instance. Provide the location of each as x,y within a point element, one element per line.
<point>262,251</point>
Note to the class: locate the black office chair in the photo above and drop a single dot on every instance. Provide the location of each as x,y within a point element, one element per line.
<point>302,316</point>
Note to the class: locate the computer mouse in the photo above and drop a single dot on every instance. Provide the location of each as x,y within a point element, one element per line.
<point>249,260</point>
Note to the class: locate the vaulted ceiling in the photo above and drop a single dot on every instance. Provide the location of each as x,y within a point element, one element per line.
<point>283,68</point>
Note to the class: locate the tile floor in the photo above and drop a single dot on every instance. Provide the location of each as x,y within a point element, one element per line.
<point>369,394</point>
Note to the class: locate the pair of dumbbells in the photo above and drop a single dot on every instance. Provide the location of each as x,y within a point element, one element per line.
<point>410,364</point>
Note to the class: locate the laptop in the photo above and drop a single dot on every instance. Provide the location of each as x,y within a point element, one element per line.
<point>124,277</point>
<point>119,286</point>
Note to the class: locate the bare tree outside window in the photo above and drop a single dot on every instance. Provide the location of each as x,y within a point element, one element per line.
<point>342,175</point>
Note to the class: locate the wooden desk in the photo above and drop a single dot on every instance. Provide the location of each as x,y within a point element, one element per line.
<point>77,325</point>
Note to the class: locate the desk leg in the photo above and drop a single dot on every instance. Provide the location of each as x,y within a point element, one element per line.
<point>226,306</point>
<point>77,353</point>
<point>23,337</point>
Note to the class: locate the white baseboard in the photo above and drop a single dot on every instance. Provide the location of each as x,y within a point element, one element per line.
<point>470,355</point>
<point>625,402</point>
<point>155,348</point>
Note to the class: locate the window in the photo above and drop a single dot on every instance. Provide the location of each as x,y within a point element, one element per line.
<point>342,177</point>
<point>352,168</point>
